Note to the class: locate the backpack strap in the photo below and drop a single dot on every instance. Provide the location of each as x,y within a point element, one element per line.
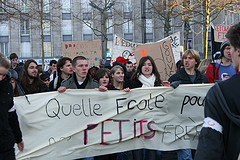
<point>214,68</point>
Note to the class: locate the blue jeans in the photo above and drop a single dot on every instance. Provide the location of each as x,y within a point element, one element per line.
<point>123,155</point>
<point>88,158</point>
<point>184,154</point>
<point>140,154</point>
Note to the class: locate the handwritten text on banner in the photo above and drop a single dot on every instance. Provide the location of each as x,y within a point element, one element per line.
<point>82,123</point>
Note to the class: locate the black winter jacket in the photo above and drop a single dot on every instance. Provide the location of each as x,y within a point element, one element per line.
<point>219,137</point>
<point>42,88</point>
<point>9,127</point>
<point>182,76</point>
<point>59,81</point>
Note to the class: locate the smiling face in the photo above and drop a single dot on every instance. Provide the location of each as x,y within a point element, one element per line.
<point>118,75</point>
<point>32,70</point>
<point>104,80</point>
<point>147,68</point>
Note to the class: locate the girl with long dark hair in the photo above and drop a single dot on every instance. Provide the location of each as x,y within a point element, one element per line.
<point>147,74</point>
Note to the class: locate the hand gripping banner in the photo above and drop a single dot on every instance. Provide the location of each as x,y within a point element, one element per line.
<point>83,123</point>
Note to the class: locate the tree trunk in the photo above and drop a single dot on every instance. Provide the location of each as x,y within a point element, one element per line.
<point>105,35</point>
<point>41,27</point>
<point>206,41</point>
<point>186,34</point>
<point>207,23</point>
<point>167,26</point>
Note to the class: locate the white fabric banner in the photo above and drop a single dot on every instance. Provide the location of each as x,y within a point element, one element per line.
<point>82,123</point>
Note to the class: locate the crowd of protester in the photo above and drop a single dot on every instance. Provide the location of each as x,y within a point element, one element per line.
<point>67,73</point>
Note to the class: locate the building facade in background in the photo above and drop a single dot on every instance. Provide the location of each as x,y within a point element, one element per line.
<point>69,20</point>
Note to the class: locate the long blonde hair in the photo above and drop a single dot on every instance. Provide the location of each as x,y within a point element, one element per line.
<point>113,70</point>
<point>203,65</point>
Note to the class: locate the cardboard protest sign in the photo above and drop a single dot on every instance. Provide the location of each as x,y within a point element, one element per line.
<point>162,54</point>
<point>175,41</point>
<point>82,123</point>
<point>219,32</point>
<point>123,48</point>
<point>89,49</point>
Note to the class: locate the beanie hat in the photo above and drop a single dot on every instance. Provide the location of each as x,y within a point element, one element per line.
<point>223,45</point>
<point>12,74</point>
<point>121,60</point>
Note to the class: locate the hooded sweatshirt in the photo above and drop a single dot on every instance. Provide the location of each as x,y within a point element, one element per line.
<point>219,137</point>
<point>10,132</point>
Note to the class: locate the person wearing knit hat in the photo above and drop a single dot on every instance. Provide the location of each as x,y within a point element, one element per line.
<point>121,60</point>
<point>224,44</point>
<point>14,80</point>
<point>223,68</point>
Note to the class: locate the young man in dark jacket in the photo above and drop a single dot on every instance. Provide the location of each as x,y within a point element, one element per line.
<point>189,74</point>
<point>219,137</point>
<point>14,64</point>
<point>10,132</point>
<point>80,78</point>
<point>64,71</point>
